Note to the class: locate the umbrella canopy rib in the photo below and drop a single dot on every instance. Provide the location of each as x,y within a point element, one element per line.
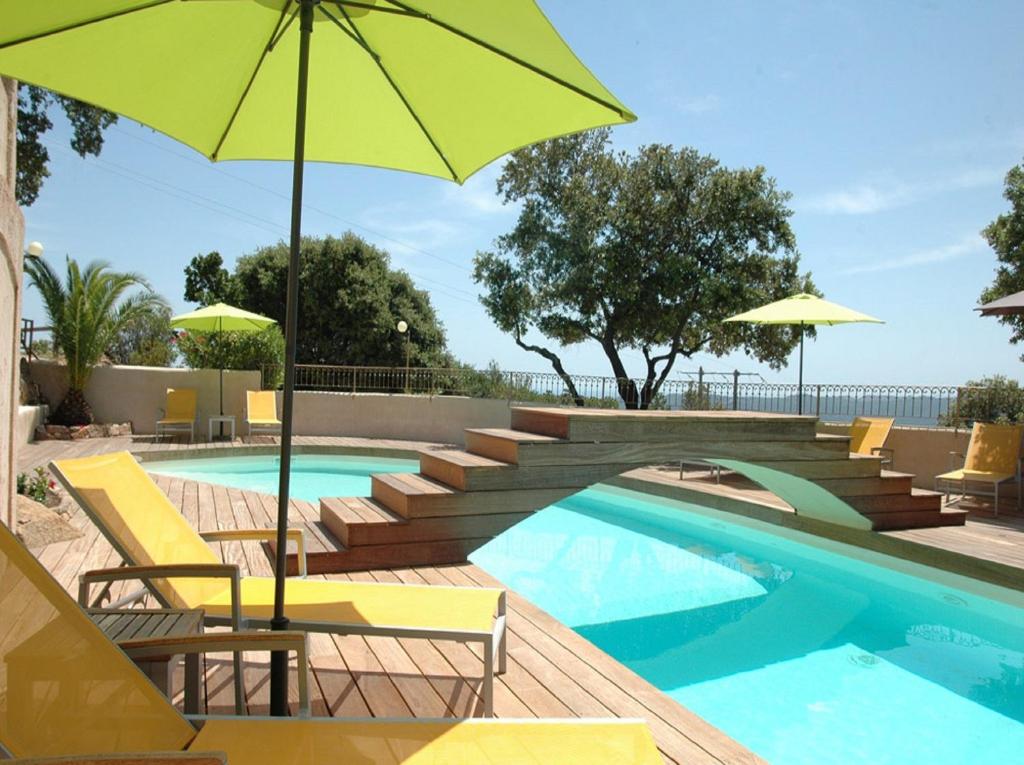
<point>274,37</point>
<point>83,23</point>
<point>394,86</point>
<point>625,115</point>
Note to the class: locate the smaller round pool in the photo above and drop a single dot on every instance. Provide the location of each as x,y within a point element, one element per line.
<point>313,475</point>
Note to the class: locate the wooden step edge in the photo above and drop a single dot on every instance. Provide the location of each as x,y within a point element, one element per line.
<point>915,519</point>
<point>511,434</point>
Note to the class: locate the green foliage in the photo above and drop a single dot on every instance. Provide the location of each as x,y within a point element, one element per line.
<point>1005,236</point>
<point>34,107</point>
<point>145,341</point>
<point>43,349</point>
<point>263,350</point>
<point>88,311</point>
<point>208,282</point>
<point>649,251</point>
<point>350,301</point>
<point>35,486</point>
<point>991,399</point>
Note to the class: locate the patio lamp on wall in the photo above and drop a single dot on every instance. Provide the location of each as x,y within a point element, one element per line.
<point>35,250</point>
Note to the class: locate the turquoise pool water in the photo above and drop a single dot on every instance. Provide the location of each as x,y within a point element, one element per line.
<point>313,475</point>
<point>801,654</point>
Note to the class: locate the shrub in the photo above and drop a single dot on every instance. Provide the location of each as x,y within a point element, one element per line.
<point>34,487</point>
<point>262,351</point>
<point>991,399</point>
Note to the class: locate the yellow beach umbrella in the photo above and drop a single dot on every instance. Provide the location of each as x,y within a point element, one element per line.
<point>221,317</point>
<point>804,309</point>
<point>437,87</point>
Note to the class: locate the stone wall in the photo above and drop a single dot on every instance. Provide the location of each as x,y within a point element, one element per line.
<point>381,415</point>
<point>12,233</point>
<point>138,394</point>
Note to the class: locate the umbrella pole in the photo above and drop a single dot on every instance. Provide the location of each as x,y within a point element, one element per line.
<point>279,659</point>
<point>800,379</point>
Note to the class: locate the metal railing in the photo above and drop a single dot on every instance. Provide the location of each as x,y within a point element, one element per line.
<point>917,405</point>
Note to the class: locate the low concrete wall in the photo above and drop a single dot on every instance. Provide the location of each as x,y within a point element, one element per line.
<point>139,394</point>
<point>921,451</point>
<point>415,418</point>
<point>28,418</point>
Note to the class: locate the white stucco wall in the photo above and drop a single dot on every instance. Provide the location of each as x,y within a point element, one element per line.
<point>138,394</point>
<point>416,418</point>
<point>12,232</point>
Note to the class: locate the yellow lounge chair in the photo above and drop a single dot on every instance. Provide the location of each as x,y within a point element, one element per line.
<point>151,535</point>
<point>180,413</point>
<point>993,458</point>
<point>66,690</point>
<point>868,436</point>
<point>261,410</point>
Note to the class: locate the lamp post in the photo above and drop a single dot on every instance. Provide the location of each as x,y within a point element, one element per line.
<point>35,250</point>
<point>403,328</point>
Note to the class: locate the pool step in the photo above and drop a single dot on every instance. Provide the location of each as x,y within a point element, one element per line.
<point>359,522</point>
<point>415,496</point>
<point>915,500</point>
<point>916,519</point>
<point>887,482</point>
<point>607,425</point>
<point>498,446</point>
<point>471,472</point>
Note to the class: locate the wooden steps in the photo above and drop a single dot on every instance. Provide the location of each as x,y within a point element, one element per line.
<point>461,499</point>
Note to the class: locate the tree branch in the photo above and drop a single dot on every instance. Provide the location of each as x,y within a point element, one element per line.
<point>556,364</point>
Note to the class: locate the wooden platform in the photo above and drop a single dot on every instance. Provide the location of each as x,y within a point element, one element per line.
<point>461,498</point>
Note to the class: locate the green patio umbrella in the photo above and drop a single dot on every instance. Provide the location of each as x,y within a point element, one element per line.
<point>221,317</point>
<point>437,87</point>
<point>803,309</point>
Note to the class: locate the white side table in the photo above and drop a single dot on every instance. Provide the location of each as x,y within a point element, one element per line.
<point>219,418</point>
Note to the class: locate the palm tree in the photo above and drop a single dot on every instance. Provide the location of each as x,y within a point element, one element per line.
<point>87,311</point>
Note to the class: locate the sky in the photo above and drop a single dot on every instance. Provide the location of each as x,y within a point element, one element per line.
<point>892,125</point>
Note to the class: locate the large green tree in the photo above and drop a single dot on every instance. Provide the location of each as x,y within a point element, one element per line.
<point>1005,236</point>
<point>87,311</point>
<point>350,301</point>
<point>145,341</point>
<point>35,107</point>
<point>649,251</point>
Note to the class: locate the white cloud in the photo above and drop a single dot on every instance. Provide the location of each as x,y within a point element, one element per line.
<point>969,244</point>
<point>478,195</point>
<point>700,104</point>
<point>879,196</point>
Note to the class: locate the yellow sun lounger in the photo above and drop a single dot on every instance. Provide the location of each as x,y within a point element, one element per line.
<point>868,436</point>
<point>261,410</point>
<point>180,412</point>
<point>66,690</point>
<point>179,568</point>
<point>993,458</point>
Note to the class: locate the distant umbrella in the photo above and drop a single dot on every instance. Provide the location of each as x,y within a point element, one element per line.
<point>803,309</point>
<point>221,317</point>
<point>1011,305</point>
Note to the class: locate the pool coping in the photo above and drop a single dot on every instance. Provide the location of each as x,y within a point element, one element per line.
<point>960,564</point>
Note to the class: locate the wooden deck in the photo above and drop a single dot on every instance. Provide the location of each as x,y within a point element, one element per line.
<point>552,671</point>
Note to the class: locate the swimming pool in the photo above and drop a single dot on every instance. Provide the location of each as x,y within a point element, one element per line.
<point>312,476</point>
<point>801,654</point>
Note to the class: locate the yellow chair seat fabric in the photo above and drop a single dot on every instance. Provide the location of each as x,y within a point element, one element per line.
<point>974,475</point>
<point>468,609</point>
<point>471,742</point>
<point>263,422</point>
